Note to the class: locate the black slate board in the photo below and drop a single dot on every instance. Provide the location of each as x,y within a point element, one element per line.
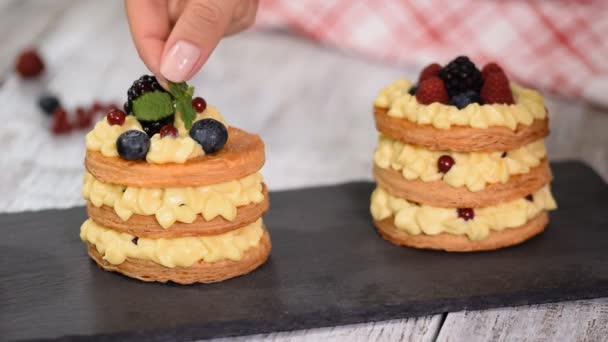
<point>328,267</point>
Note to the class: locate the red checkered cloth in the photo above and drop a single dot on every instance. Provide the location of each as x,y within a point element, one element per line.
<point>557,46</point>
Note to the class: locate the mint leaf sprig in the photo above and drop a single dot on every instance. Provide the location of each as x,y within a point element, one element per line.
<point>182,95</point>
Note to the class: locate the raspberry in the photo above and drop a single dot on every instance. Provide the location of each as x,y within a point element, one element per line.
<point>461,75</point>
<point>29,64</point>
<point>496,89</point>
<point>432,90</point>
<point>429,71</point>
<point>490,68</point>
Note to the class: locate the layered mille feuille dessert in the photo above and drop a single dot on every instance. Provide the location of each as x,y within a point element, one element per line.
<point>461,163</point>
<point>173,193</point>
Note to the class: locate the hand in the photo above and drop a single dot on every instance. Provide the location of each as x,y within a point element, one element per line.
<point>174,38</point>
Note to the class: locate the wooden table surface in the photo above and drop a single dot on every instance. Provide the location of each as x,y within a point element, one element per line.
<point>310,104</point>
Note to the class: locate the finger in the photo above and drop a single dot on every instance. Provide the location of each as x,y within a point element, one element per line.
<point>195,35</point>
<point>149,25</point>
<point>244,16</point>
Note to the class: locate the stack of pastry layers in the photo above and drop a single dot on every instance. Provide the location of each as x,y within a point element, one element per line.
<point>198,221</point>
<point>500,172</point>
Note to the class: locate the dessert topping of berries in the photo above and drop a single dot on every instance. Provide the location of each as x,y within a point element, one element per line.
<point>496,89</point>
<point>168,131</point>
<point>431,90</point>
<point>466,213</point>
<point>141,86</point>
<point>48,103</point>
<point>133,145</point>
<point>116,117</point>
<point>429,71</point>
<point>152,127</point>
<point>210,134</point>
<point>464,99</point>
<point>29,64</point>
<point>445,163</point>
<point>490,68</point>
<point>461,75</point>
<point>199,104</point>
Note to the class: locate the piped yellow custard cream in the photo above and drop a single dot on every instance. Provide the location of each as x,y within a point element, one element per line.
<point>475,223</point>
<point>176,204</point>
<point>474,169</point>
<point>116,247</point>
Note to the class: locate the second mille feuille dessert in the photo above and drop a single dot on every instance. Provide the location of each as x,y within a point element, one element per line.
<point>173,193</point>
<point>461,162</point>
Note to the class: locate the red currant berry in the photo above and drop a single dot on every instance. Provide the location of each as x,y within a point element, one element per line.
<point>199,104</point>
<point>116,117</point>
<point>96,107</point>
<point>168,131</point>
<point>60,122</point>
<point>83,119</point>
<point>29,64</point>
<point>466,213</point>
<point>445,163</point>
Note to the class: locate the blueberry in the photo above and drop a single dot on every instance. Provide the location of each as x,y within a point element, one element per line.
<point>133,145</point>
<point>48,103</point>
<point>464,99</point>
<point>413,89</point>
<point>210,134</point>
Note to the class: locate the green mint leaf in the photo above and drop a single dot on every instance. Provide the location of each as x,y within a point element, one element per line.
<point>153,106</point>
<point>182,94</point>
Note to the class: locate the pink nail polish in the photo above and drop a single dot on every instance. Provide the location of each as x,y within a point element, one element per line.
<point>179,60</point>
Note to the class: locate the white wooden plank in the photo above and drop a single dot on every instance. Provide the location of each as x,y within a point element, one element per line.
<point>418,329</point>
<point>585,320</point>
<point>23,24</point>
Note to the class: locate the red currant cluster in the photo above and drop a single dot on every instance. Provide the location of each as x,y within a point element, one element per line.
<point>29,65</point>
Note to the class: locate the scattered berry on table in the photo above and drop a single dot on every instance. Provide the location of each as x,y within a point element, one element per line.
<point>464,99</point>
<point>29,64</point>
<point>48,103</point>
<point>466,213</point>
<point>116,117</point>
<point>142,85</point>
<point>60,124</point>
<point>133,145</point>
<point>490,68</point>
<point>432,90</point>
<point>496,89</point>
<point>445,163</point>
<point>413,89</point>
<point>210,134</point>
<point>199,104</point>
<point>83,118</point>
<point>168,131</point>
<point>429,71</point>
<point>153,127</point>
<point>461,75</point>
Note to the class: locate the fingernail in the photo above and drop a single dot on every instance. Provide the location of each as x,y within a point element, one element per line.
<point>179,60</point>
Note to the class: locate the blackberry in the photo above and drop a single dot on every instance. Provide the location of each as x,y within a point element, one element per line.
<point>153,127</point>
<point>142,85</point>
<point>461,75</point>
